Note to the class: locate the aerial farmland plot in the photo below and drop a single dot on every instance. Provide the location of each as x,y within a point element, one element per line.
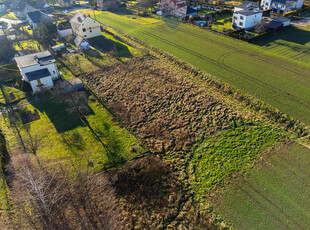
<point>272,77</point>
<point>275,195</point>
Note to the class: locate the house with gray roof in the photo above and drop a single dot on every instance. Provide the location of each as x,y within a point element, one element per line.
<point>246,19</point>
<point>34,18</point>
<point>39,69</point>
<point>281,6</point>
<point>247,5</point>
<point>21,8</point>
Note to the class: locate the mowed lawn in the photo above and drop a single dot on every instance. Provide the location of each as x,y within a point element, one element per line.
<point>97,140</point>
<point>276,195</point>
<point>293,43</point>
<point>281,82</point>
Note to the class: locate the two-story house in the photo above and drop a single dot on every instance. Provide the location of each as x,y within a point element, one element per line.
<point>246,19</point>
<point>34,18</point>
<point>39,69</point>
<point>85,26</point>
<point>281,6</point>
<point>21,8</point>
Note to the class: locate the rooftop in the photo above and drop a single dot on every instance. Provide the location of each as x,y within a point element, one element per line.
<point>78,18</point>
<point>281,19</point>
<point>34,75</point>
<point>35,16</point>
<point>42,58</point>
<point>249,12</point>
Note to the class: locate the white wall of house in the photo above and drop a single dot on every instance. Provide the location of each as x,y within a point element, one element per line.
<point>2,8</point>
<point>89,28</point>
<point>297,4</point>
<point>266,4</point>
<point>51,67</point>
<point>247,21</point>
<point>46,82</point>
<point>64,33</point>
<point>279,8</point>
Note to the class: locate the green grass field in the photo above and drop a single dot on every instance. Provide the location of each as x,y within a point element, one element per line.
<point>276,195</point>
<point>278,80</point>
<point>67,138</point>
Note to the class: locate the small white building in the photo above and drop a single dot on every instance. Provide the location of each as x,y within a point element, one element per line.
<point>285,21</point>
<point>64,30</point>
<point>2,8</point>
<point>39,69</point>
<point>58,47</point>
<point>85,26</point>
<point>246,19</point>
<point>81,44</point>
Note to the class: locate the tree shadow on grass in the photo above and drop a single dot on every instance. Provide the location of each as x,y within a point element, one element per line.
<point>292,34</point>
<point>171,22</point>
<point>106,45</point>
<point>58,113</point>
<point>110,142</point>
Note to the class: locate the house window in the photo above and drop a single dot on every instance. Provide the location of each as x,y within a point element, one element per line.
<point>54,72</point>
<point>240,23</point>
<point>241,17</point>
<point>84,30</point>
<point>90,31</point>
<point>85,35</point>
<point>266,3</point>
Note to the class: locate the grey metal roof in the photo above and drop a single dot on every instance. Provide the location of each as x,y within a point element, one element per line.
<point>42,58</point>
<point>281,19</point>
<point>248,12</point>
<point>34,75</point>
<point>35,16</point>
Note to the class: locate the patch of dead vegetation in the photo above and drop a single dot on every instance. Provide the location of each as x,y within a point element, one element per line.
<point>160,104</point>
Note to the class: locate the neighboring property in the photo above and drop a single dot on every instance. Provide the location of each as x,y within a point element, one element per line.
<point>42,6</point>
<point>58,47</point>
<point>85,26</point>
<point>247,5</point>
<point>66,2</point>
<point>64,29</point>
<point>2,8</point>
<point>108,4</point>
<point>39,69</point>
<point>176,9</point>
<point>21,8</point>
<point>281,6</point>
<point>80,43</point>
<point>34,18</point>
<point>2,35</point>
<point>285,21</point>
<point>246,19</point>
